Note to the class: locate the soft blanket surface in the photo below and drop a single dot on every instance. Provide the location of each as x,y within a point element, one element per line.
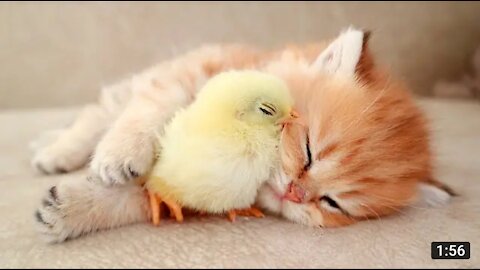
<point>402,240</point>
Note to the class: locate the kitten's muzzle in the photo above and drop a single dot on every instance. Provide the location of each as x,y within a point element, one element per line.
<point>295,193</point>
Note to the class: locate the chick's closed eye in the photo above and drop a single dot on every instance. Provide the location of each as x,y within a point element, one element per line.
<point>267,109</point>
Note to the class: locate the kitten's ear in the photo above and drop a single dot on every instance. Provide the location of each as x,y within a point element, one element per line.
<point>345,54</point>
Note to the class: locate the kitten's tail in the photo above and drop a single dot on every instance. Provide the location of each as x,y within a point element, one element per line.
<point>434,182</point>
<point>435,193</point>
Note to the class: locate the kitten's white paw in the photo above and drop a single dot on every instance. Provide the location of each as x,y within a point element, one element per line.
<point>60,158</point>
<point>51,218</point>
<point>119,160</point>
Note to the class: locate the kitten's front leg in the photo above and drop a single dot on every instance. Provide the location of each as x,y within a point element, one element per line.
<point>127,150</point>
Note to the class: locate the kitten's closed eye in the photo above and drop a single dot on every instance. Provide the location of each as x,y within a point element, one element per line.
<point>331,202</point>
<point>308,164</point>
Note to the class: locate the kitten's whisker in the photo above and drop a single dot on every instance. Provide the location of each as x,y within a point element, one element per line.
<point>398,210</point>
<point>392,200</point>
<point>371,209</point>
<point>379,218</point>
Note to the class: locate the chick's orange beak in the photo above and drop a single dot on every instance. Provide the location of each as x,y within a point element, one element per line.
<point>294,113</point>
<point>293,117</point>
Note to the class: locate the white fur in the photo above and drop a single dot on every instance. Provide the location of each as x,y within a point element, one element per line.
<point>433,196</point>
<point>343,54</point>
<point>269,194</point>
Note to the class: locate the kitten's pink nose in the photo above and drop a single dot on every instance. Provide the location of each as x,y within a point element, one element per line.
<point>295,193</point>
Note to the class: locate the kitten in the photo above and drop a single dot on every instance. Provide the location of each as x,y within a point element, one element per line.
<point>363,150</point>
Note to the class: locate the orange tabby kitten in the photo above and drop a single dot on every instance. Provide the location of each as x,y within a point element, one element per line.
<point>362,150</point>
<point>365,147</point>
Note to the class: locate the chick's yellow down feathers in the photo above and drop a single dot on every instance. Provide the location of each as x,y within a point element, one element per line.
<point>214,155</point>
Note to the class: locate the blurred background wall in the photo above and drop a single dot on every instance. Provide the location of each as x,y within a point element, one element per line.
<point>60,54</point>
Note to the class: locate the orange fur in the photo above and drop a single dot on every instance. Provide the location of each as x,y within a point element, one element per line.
<point>369,142</point>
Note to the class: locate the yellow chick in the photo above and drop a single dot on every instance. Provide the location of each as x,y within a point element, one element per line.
<point>215,154</point>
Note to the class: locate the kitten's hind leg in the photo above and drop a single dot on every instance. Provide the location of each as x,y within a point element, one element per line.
<point>71,148</point>
<point>76,207</point>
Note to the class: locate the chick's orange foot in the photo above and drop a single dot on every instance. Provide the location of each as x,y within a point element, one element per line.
<point>156,200</point>
<point>248,212</point>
